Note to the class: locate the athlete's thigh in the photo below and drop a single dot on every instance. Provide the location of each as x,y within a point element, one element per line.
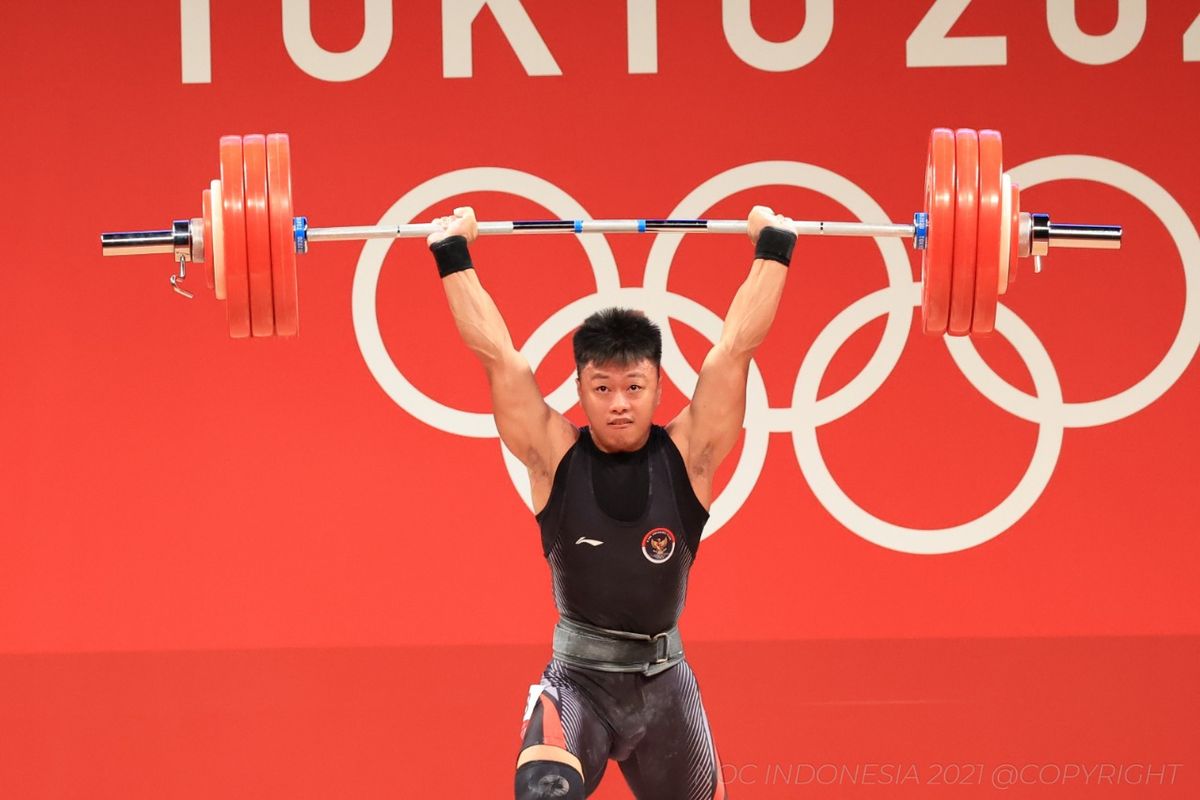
<point>559,715</point>
<point>676,759</point>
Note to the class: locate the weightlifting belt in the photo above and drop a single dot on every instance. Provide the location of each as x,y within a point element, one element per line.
<point>583,645</point>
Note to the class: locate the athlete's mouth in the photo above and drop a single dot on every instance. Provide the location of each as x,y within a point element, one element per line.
<point>621,423</point>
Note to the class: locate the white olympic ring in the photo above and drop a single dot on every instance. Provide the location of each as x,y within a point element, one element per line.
<point>859,203</point>
<point>370,263</point>
<point>1182,349</point>
<point>806,413</point>
<point>886,534</point>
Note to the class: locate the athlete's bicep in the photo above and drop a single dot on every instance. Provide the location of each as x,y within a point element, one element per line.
<point>712,422</point>
<point>535,433</point>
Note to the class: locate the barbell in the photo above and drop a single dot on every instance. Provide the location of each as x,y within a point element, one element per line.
<point>971,234</point>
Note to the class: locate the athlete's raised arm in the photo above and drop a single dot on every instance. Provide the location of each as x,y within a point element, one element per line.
<point>535,433</point>
<point>707,429</point>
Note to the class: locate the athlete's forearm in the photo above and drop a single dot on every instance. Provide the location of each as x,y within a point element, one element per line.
<point>753,308</point>
<point>478,319</point>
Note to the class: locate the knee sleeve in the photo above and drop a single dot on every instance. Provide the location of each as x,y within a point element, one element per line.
<point>537,780</point>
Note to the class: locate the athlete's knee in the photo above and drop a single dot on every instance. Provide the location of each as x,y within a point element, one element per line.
<point>543,778</point>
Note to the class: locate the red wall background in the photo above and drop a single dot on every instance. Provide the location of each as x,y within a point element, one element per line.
<point>241,568</point>
<point>163,487</point>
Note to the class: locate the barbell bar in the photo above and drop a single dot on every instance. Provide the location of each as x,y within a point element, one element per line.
<point>971,234</point>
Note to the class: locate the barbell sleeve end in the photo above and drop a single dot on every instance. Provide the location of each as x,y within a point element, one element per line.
<point>1038,235</point>
<point>1100,237</point>
<point>132,243</point>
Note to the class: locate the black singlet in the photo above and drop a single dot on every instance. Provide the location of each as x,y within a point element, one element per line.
<point>624,568</point>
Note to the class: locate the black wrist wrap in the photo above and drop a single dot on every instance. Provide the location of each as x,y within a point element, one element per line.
<point>775,244</point>
<point>451,255</point>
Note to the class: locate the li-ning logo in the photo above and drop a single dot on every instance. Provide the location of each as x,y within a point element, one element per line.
<point>658,545</point>
<point>1045,407</point>
<point>585,540</point>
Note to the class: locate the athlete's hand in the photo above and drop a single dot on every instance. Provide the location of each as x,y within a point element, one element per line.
<point>762,217</point>
<point>461,224</point>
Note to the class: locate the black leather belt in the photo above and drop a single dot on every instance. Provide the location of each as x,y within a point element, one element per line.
<point>587,646</point>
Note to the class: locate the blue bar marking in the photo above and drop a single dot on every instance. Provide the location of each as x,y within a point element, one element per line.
<point>920,230</point>
<point>300,234</point>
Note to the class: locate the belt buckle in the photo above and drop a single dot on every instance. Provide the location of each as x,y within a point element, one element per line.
<point>662,646</point>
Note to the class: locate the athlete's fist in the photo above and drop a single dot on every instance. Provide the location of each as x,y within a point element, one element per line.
<point>462,223</point>
<point>762,217</point>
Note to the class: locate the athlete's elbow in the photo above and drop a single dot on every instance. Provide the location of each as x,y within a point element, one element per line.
<point>739,345</point>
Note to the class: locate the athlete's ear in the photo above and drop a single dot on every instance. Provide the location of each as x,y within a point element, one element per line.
<point>658,386</point>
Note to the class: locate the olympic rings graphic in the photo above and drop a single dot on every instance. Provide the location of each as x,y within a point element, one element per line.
<point>1045,408</point>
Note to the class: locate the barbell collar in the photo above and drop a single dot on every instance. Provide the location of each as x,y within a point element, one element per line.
<point>1039,234</point>
<point>181,239</point>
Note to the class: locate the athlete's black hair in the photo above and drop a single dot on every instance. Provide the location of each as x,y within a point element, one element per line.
<point>619,336</point>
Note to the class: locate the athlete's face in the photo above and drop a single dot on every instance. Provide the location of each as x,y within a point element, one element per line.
<point>619,401</point>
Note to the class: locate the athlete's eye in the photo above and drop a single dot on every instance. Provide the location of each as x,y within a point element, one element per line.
<point>601,389</point>
<point>635,388</point>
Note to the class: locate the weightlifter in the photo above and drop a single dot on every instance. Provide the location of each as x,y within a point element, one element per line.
<point>621,504</point>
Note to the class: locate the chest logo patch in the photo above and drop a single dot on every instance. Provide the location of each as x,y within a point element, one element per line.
<point>658,545</point>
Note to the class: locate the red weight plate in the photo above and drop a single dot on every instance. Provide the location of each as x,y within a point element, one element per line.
<point>206,204</point>
<point>283,249</point>
<point>991,230</point>
<point>258,236</point>
<point>1016,236</point>
<point>939,247</point>
<point>966,228</point>
<point>237,282</point>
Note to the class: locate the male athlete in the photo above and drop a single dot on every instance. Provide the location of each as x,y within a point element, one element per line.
<point>621,504</point>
